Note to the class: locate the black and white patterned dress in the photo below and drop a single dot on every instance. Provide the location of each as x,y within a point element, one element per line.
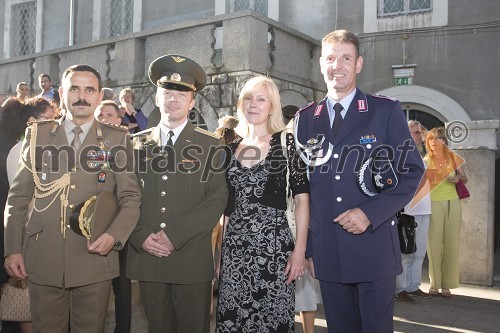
<point>253,296</point>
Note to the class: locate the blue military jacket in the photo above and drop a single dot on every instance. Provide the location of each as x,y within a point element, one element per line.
<point>371,122</point>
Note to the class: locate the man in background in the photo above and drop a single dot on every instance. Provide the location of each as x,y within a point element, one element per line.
<point>408,282</point>
<point>48,92</point>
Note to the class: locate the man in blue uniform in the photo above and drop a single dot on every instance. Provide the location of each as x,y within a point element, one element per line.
<point>363,169</point>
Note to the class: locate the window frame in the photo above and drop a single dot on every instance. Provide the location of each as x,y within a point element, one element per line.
<point>406,10</point>
<point>97,19</point>
<point>7,26</point>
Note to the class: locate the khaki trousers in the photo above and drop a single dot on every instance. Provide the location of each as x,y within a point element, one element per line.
<point>176,308</point>
<point>443,243</point>
<point>83,308</point>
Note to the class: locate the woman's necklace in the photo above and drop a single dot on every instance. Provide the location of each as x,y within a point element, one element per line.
<point>441,162</point>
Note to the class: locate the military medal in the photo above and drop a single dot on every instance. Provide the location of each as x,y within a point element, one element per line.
<point>102,177</point>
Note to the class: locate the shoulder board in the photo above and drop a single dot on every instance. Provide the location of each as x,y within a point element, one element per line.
<point>384,97</point>
<point>118,127</point>
<point>146,131</point>
<point>204,131</point>
<point>305,107</point>
<point>39,122</point>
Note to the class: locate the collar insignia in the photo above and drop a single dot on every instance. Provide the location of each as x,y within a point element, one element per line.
<point>318,110</point>
<point>362,105</point>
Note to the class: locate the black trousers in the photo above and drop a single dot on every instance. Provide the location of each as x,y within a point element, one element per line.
<point>122,288</point>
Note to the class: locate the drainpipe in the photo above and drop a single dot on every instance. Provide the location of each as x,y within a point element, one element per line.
<point>71,22</point>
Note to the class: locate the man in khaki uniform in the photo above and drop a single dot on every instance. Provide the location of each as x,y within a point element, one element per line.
<point>70,276</point>
<point>183,197</point>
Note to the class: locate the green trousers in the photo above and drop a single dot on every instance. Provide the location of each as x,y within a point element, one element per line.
<point>443,243</point>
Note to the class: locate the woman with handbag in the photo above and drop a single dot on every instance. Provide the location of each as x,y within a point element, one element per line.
<point>444,171</point>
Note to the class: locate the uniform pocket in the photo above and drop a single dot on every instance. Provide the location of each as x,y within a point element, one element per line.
<point>31,247</point>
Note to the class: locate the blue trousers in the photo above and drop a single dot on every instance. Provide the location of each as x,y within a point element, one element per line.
<point>365,307</point>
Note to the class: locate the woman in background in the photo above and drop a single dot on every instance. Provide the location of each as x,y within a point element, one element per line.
<point>444,170</point>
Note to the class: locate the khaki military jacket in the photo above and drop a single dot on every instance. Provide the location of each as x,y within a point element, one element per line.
<point>185,198</point>
<point>53,254</point>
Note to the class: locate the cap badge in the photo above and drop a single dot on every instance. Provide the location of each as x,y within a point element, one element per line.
<point>178,59</point>
<point>175,77</point>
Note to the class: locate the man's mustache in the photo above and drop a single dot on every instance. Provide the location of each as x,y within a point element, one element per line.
<point>81,102</point>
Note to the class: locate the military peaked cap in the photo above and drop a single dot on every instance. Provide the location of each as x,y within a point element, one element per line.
<point>177,73</point>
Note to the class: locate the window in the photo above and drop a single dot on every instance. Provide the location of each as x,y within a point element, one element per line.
<point>259,6</point>
<point>23,28</point>
<point>117,17</point>
<point>402,7</point>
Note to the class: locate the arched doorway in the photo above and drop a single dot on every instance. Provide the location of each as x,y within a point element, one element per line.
<point>437,107</point>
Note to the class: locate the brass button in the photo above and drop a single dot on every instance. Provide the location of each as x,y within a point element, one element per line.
<point>71,206</point>
<point>73,187</point>
<point>68,226</point>
<point>73,169</point>
<point>163,210</point>
<point>163,193</point>
<point>164,177</point>
<point>163,225</point>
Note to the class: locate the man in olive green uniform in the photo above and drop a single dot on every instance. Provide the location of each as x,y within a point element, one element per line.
<point>183,197</point>
<point>69,275</point>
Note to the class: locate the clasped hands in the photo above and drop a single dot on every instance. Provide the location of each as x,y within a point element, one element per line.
<point>158,245</point>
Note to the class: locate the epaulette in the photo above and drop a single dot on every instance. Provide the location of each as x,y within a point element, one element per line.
<point>146,131</point>
<point>384,97</point>
<point>38,122</point>
<point>115,126</point>
<point>305,107</point>
<point>204,131</point>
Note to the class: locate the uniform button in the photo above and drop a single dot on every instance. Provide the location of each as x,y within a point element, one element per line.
<point>337,177</point>
<point>339,199</point>
<point>163,193</point>
<point>163,210</point>
<point>68,226</point>
<point>73,187</point>
<point>71,206</point>
<point>73,169</point>
<point>335,155</point>
<point>164,177</point>
<point>163,225</point>
<point>368,146</point>
<point>392,222</point>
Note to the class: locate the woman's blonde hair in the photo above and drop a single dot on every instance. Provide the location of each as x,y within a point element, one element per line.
<point>275,123</point>
<point>437,132</point>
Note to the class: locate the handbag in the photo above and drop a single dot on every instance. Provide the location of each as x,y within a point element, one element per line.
<point>407,228</point>
<point>290,203</point>
<point>15,301</point>
<point>462,190</point>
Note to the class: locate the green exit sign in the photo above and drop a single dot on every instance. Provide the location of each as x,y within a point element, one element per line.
<point>402,81</point>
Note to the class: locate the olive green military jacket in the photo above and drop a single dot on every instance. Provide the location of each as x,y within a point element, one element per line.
<point>185,196</point>
<point>53,254</point>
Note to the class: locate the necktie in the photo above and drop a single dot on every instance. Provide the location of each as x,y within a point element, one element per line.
<point>170,143</point>
<point>76,141</point>
<point>337,121</point>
